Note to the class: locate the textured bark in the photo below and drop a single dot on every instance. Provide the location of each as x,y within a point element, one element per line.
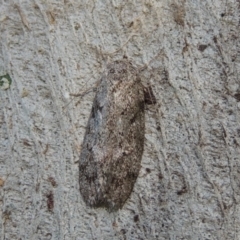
<point>189,182</point>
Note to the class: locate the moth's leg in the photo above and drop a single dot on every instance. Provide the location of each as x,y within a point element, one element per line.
<point>82,94</point>
<point>146,65</point>
<point>149,97</point>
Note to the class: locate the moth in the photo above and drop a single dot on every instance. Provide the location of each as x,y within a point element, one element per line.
<point>113,145</point>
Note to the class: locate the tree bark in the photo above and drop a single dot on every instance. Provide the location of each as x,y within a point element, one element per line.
<point>187,51</point>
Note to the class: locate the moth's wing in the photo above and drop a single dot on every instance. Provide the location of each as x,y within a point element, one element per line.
<point>92,153</point>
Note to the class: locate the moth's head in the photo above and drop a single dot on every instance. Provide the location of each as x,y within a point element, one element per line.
<point>120,70</point>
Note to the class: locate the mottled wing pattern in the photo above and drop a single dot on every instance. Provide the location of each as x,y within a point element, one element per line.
<point>112,149</point>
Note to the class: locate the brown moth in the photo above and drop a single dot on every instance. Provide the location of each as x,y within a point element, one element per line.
<point>113,145</point>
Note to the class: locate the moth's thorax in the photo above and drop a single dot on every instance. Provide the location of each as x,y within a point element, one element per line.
<point>121,71</point>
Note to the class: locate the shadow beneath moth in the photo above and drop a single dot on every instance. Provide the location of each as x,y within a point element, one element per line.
<point>113,145</point>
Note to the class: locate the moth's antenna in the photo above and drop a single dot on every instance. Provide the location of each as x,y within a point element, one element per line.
<point>82,94</point>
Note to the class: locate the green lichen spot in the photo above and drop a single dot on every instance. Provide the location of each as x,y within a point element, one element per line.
<point>5,81</point>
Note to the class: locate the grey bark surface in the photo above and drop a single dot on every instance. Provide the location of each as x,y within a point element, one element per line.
<point>189,182</point>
